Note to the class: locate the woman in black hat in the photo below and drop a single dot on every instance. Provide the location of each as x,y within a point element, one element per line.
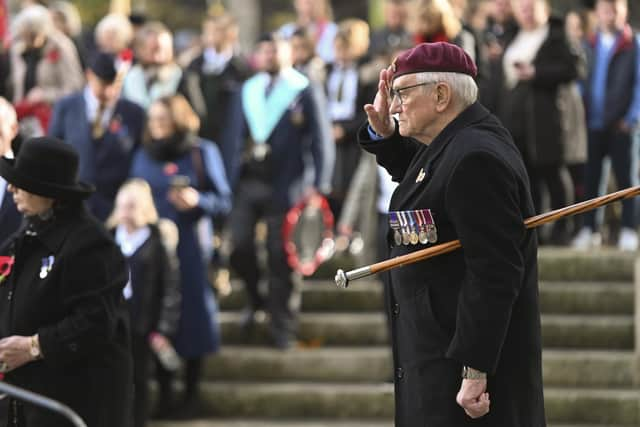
<point>63,322</point>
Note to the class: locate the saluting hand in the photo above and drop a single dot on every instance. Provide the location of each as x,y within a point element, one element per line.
<point>378,113</point>
<point>473,397</point>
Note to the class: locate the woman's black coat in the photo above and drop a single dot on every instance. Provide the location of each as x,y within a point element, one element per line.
<point>77,308</point>
<point>530,110</point>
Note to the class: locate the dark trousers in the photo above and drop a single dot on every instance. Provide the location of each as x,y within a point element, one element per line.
<point>142,365</point>
<point>611,148</point>
<point>254,202</point>
<point>557,180</point>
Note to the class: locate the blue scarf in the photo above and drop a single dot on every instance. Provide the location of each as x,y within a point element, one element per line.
<point>263,113</point>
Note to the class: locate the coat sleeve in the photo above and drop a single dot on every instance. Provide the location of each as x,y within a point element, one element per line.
<point>69,73</point>
<point>217,201</point>
<point>56,124</point>
<point>328,144</point>
<point>234,134</point>
<point>394,153</point>
<point>169,279</point>
<point>318,140</point>
<point>94,277</point>
<point>482,200</point>
<point>363,183</point>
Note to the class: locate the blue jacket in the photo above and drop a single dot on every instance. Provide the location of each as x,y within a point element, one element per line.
<point>197,331</point>
<point>104,163</point>
<point>296,145</point>
<point>10,218</point>
<point>621,81</point>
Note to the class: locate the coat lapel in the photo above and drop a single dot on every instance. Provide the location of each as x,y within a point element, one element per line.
<point>85,150</point>
<point>422,167</point>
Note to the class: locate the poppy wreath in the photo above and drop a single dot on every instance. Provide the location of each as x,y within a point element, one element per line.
<point>307,268</point>
<point>6,265</point>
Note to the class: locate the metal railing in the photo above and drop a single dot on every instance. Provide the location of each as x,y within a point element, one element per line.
<point>42,401</point>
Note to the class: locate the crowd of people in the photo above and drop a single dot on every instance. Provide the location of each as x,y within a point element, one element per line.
<point>188,149</point>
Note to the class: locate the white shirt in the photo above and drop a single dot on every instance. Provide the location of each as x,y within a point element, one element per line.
<point>345,108</point>
<point>523,49</point>
<point>129,244</point>
<point>92,104</point>
<point>215,62</point>
<point>386,188</point>
<point>607,40</point>
<point>3,189</point>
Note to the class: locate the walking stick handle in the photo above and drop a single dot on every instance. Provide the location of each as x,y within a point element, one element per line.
<point>342,278</point>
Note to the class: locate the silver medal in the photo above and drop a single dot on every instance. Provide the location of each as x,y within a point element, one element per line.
<point>397,237</point>
<point>432,233</point>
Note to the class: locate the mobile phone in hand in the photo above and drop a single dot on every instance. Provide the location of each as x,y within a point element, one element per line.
<point>179,182</point>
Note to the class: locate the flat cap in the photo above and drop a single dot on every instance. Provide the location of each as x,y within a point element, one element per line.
<point>434,57</point>
<point>103,66</point>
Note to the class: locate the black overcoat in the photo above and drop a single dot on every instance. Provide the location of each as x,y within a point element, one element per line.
<point>77,309</point>
<point>477,306</point>
<point>530,110</point>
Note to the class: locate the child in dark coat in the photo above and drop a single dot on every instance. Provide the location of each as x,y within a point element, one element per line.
<point>152,292</point>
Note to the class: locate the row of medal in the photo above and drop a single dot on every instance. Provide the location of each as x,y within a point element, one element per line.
<point>413,227</point>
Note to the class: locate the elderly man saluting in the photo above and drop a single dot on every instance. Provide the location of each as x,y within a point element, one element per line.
<point>466,325</point>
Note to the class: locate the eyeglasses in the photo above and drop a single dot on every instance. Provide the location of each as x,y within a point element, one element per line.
<point>397,93</point>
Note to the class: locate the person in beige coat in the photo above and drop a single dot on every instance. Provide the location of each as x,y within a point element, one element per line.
<point>44,62</point>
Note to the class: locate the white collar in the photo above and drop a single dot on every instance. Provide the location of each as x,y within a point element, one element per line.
<point>130,242</point>
<point>92,105</point>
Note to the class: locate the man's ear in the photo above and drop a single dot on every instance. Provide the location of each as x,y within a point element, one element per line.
<point>443,97</point>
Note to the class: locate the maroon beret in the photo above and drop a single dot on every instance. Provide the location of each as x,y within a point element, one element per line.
<point>434,57</point>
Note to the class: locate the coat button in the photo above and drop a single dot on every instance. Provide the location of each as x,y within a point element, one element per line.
<point>396,309</point>
<point>73,347</point>
<point>399,373</point>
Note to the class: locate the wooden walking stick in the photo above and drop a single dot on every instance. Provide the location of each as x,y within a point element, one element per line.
<point>342,279</point>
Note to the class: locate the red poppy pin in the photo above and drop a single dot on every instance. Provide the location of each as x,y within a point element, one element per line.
<point>126,55</point>
<point>53,56</point>
<point>170,169</point>
<point>6,264</point>
<point>115,125</point>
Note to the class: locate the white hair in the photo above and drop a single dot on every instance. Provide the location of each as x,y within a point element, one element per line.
<point>463,86</point>
<point>34,19</point>
<point>116,29</point>
<point>70,15</point>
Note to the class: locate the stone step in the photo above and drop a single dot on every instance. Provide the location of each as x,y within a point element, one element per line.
<point>213,422</point>
<point>271,423</point>
<point>358,402</point>
<point>322,295</point>
<point>586,332</point>
<point>609,407</point>
<point>555,264</point>
<point>587,297</point>
<point>366,296</point>
<point>561,264</point>
<point>564,368</point>
<point>349,329</point>
<point>590,368</point>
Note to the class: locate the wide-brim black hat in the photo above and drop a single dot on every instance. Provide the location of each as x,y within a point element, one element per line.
<point>47,167</point>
